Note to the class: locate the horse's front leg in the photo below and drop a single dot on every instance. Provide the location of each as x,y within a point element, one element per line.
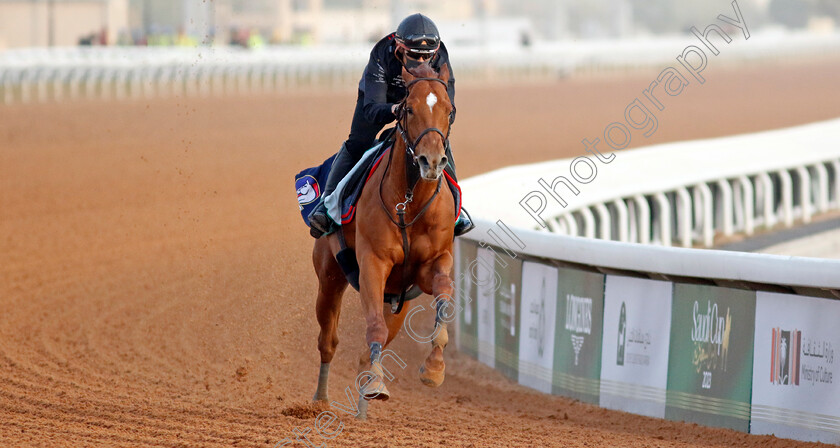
<point>432,371</point>
<point>373,274</point>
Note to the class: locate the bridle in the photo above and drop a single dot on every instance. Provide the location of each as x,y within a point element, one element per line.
<point>412,178</point>
<point>401,115</point>
<point>411,161</point>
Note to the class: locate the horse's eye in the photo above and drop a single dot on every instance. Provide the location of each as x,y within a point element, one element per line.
<point>409,110</point>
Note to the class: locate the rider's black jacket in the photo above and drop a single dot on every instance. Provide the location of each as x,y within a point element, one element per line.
<point>382,84</point>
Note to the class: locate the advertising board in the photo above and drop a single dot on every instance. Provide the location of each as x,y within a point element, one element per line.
<point>796,388</point>
<point>637,334</point>
<point>710,364</point>
<point>577,352</point>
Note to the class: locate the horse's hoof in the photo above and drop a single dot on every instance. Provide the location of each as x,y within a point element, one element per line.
<point>432,378</point>
<point>376,390</point>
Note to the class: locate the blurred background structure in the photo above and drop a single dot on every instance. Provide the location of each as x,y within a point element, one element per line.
<point>253,23</point>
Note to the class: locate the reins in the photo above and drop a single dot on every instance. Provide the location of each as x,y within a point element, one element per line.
<point>411,183</point>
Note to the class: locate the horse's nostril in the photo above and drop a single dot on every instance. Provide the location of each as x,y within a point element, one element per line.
<point>443,161</point>
<point>423,161</point>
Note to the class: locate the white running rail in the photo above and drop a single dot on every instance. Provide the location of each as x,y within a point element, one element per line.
<point>62,74</point>
<point>686,193</point>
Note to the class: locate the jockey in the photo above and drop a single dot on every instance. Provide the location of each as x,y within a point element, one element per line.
<point>381,88</point>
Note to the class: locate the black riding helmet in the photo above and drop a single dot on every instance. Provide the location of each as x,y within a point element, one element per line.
<point>418,36</point>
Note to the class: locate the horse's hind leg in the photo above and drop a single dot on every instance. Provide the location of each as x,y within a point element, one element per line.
<point>331,286</point>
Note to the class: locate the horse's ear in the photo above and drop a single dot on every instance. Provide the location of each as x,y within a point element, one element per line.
<point>444,73</point>
<point>407,77</point>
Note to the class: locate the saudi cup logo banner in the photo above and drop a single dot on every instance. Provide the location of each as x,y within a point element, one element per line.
<point>577,348</point>
<point>466,273</point>
<point>796,372</point>
<point>507,310</point>
<point>637,334</point>
<point>710,364</point>
<point>539,312</point>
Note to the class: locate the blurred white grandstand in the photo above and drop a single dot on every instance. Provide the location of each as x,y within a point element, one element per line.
<point>43,23</point>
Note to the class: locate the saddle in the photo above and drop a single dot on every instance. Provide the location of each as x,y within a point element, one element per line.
<point>341,204</point>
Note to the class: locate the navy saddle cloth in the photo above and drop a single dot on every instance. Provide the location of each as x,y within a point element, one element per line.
<point>309,181</point>
<point>308,186</point>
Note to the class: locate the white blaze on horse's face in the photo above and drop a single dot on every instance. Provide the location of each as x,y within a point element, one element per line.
<point>431,100</point>
<point>429,153</point>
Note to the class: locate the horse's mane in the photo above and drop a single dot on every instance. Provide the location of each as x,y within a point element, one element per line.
<point>423,71</point>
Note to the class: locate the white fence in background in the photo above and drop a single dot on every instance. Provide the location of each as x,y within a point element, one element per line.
<point>61,74</point>
<point>685,193</point>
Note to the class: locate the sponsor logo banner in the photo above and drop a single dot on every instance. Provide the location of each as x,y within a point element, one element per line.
<point>710,363</point>
<point>486,285</point>
<point>466,266</point>
<point>577,352</point>
<point>537,321</point>
<point>795,374</point>
<point>637,334</point>
<point>507,310</point>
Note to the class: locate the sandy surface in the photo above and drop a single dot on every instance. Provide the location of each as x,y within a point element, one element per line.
<point>156,287</point>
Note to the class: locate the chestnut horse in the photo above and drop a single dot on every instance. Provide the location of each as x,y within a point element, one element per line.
<point>428,218</point>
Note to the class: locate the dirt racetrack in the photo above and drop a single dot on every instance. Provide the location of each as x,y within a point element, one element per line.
<point>156,287</point>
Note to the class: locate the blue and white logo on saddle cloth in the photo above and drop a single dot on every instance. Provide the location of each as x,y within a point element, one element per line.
<point>341,204</point>
<point>308,187</point>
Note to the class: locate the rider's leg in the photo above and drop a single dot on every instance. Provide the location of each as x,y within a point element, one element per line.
<point>463,225</point>
<point>319,219</point>
<point>362,135</point>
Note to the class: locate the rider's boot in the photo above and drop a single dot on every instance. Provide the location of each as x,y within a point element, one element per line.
<point>464,224</point>
<point>319,220</point>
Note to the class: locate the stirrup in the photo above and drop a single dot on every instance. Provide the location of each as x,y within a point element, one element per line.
<point>464,223</point>
<point>319,222</point>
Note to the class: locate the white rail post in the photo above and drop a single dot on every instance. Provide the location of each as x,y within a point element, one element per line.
<point>108,82</point>
<point>632,221</point>
<point>6,74</point>
<point>122,90</point>
<point>726,206</point>
<point>26,85</point>
<point>767,199</point>
<point>822,187</point>
<point>787,197</point>
<point>623,225</point>
<point>804,193</point>
<point>136,83</point>
<point>644,218</point>
<point>708,214</point>
<point>41,79</point>
<point>663,218</point>
<point>553,226</point>
<point>571,224</point>
<point>75,82</point>
<point>217,85</point>
<point>58,83</point>
<point>588,222</point>
<point>203,81</point>
<point>606,223</point>
<point>749,204</point>
<point>684,218</point>
<point>835,164</point>
<point>191,87</point>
